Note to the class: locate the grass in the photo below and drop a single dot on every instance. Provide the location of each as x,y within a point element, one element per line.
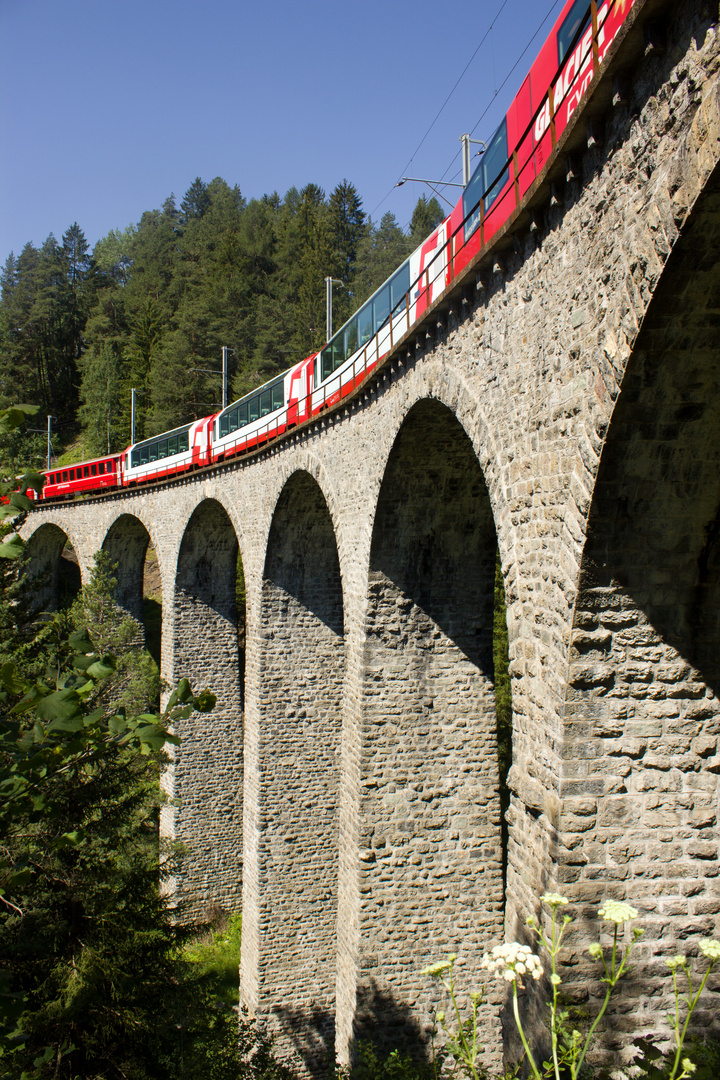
<point>219,956</point>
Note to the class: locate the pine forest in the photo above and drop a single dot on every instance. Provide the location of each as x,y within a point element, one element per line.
<point>151,306</point>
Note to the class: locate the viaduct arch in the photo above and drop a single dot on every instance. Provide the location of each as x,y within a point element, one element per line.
<point>562,404</point>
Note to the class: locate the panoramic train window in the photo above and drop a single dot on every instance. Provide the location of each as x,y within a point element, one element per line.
<point>161,448</point>
<point>579,13</point>
<point>488,180</point>
<point>400,285</point>
<point>364,325</point>
<point>359,330</point>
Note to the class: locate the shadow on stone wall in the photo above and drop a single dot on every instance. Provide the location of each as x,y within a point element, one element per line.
<point>382,1024</point>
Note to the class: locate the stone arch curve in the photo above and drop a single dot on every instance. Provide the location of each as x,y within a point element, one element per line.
<point>305,461</point>
<point>437,381</point>
<point>126,542</point>
<point>44,548</point>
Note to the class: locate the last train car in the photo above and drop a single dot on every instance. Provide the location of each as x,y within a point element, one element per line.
<point>100,474</point>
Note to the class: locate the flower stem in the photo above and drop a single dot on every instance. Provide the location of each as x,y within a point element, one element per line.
<point>516,1013</point>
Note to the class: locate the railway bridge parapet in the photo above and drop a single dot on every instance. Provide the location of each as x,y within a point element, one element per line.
<point>560,407</point>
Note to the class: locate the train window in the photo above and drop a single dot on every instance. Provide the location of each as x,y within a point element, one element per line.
<point>172,446</point>
<point>183,441</point>
<point>381,307</point>
<point>579,13</point>
<point>253,409</point>
<point>93,470</point>
<point>472,195</point>
<point>64,478</point>
<point>223,426</point>
<point>265,403</point>
<point>331,357</point>
<point>86,470</point>
<point>350,340</point>
<point>278,395</point>
<point>364,324</point>
<point>242,415</point>
<point>144,455</point>
<point>496,172</point>
<point>400,285</point>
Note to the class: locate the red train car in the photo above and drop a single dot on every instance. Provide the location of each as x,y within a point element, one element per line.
<point>515,156</point>
<point>96,475</point>
<point>537,117</point>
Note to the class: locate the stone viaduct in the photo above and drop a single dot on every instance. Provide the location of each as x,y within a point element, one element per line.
<point>561,404</point>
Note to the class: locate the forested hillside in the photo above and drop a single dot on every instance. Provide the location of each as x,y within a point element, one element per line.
<point>152,305</point>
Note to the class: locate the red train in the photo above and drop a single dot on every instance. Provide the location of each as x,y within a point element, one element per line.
<point>514,158</point>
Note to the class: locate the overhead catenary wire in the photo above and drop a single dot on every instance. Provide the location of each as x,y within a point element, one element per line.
<point>487,108</point>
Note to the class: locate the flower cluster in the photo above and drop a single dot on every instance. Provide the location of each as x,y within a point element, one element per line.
<point>617,911</point>
<point>710,948</point>
<point>512,961</point>
<point>554,899</point>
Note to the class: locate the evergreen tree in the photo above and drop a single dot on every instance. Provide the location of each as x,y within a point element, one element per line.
<point>195,201</point>
<point>381,252</point>
<point>427,215</point>
<point>347,227</point>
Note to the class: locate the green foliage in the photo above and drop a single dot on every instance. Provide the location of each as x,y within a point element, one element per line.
<point>517,964</point>
<point>94,981</point>
<point>217,955</point>
<point>369,1064</point>
<point>135,683</point>
<point>153,305</point>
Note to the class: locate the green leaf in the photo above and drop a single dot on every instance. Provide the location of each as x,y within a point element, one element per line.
<point>14,416</point>
<point>63,709</point>
<point>10,679</point>
<point>11,547</point>
<point>101,669</point>
<point>205,701</point>
<point>70,839</point>
<point>22,502</point>
<point>80,642</point>
<point>184,691</point>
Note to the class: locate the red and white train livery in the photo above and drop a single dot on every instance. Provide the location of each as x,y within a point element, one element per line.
<point>515,156</point>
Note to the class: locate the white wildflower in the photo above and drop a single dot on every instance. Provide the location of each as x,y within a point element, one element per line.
<point>553,899</point>
<point>595,950</point>
<point>688,1066</point>
<point>555,979</point>
<point>512,961</point>
<point>710,948</point>
<point>674,962</point>
<point>439,968</point>
<point>617,911</point>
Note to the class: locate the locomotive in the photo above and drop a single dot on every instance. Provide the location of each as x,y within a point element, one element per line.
<point>515,156</point>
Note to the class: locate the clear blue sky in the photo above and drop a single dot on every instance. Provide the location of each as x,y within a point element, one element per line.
<point>109,106</point>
